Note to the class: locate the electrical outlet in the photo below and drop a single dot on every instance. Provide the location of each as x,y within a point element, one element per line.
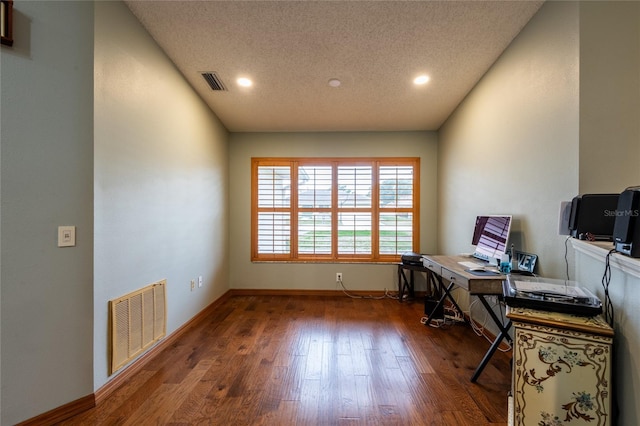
<point>66,235</point>
<point>193,284</point>
<point>200,281</point>
<point>338,277</point>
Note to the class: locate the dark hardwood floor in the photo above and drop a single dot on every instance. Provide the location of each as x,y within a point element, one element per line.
<point>307,360</point>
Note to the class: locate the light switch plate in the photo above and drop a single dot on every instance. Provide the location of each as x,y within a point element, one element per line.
<point>66,236</point>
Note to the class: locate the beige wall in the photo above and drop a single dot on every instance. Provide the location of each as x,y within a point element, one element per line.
<point>161,179</point>
<point>559,113</point>
<point>163,168</point>
<point>317,276</point>
<point>46,173</point>
<point>609,96</point>
<point>512,146</point>
<point>609,162</point>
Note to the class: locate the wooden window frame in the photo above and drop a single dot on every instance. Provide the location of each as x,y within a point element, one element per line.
<point>375,209</point>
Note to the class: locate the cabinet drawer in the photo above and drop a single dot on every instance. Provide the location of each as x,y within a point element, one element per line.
<point>456,278</point>
<point>431,265</point>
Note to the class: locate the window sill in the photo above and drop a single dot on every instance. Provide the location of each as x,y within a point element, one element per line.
<point>333,262</point>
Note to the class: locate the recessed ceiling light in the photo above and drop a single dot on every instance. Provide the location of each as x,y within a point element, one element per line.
<point>334,82</point>
<point>421,79</point>
<point>244,82</point>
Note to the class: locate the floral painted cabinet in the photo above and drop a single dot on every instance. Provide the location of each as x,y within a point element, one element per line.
<point>561,369</point>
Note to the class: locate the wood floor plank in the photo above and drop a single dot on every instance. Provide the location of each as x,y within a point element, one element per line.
<point>309,406</point>
<point>191,406</point>
<point>312,360</point>
<point>161,405</point>
<point>295,375</point>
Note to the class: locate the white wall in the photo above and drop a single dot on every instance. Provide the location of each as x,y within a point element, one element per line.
<point>321,276</point>
<point>46,181</point>
<point>161,179</point>
<point>512,145</point>
<point>624,290</point>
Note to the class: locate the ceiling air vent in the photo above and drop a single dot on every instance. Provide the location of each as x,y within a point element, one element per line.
<point>214,81</point>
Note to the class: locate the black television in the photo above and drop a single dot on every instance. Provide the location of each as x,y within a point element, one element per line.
<point>490,236</point>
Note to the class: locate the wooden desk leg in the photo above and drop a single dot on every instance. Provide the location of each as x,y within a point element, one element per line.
<point>504,334</point>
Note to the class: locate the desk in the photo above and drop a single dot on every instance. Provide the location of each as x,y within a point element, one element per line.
<point>448,268</point>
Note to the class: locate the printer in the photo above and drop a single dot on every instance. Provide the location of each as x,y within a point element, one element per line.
<point>411,258</point>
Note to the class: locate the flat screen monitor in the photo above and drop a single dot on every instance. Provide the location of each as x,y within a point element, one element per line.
<point>490,237</point>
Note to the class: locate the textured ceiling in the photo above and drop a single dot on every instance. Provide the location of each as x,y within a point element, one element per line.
<point>290,49</point>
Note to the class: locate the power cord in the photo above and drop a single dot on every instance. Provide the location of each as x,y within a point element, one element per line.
<point>566,254</point>
<point>477,327</point>
<point>606,280</point>
<point>451,317</point>
<point>480,329</point>
<point>353,296</point>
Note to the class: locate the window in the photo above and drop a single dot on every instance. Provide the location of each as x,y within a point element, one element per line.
<point>346,209</point>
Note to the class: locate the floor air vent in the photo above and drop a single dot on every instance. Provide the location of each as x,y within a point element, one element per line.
<point>137,320</point>
<point>214,81</point>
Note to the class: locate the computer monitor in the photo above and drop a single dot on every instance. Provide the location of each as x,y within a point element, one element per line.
<point>490,237</point>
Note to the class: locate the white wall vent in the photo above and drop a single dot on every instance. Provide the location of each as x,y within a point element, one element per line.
<point>136,321</point>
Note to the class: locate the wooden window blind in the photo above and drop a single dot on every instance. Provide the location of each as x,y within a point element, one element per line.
<point>334,209</point>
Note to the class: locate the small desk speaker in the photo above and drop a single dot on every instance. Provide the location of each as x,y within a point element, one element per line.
<point>593,216</point>
<point>626,230</point>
